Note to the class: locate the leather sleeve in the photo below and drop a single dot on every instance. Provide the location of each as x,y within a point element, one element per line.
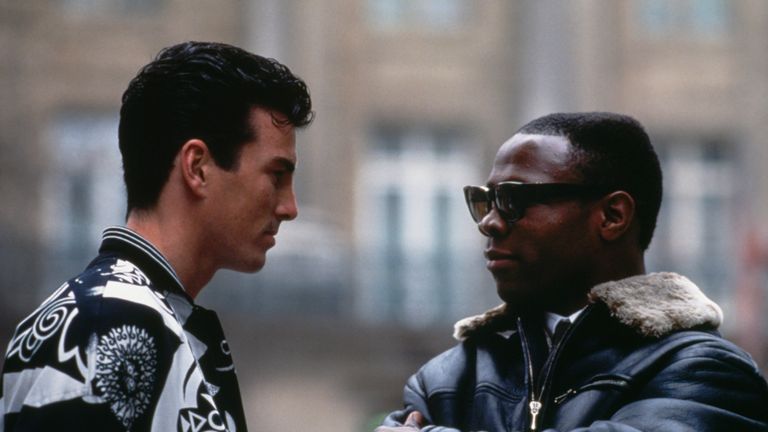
<point>707,387</point>
<point>415,398</point>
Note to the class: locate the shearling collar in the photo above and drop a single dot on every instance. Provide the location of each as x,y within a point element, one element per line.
<point>654,304</point>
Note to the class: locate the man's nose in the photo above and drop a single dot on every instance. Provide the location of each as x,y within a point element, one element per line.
<point>287,209</point>
<point>493,225</point>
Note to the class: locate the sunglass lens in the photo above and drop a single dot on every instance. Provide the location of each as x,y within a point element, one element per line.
<point>508,203</point>
<point>478,202</point>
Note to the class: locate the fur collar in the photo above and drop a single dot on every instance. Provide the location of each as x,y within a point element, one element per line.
<point>654,304</point>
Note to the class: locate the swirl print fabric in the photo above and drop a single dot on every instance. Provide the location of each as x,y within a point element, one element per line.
<point>120,347</point>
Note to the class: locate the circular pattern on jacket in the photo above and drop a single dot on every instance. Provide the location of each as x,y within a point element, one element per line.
<point>126,366</point>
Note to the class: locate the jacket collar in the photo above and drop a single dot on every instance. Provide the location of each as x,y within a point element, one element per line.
<point>127,243</point>
<point>654,304</point>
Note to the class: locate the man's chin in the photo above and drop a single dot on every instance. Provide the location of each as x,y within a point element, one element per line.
<point>257,266</point>
<point>519,299</point>
<point>252,266</point>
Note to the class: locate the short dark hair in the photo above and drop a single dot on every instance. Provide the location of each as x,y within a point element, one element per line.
<point>611,151</point>
<point>199,90</point>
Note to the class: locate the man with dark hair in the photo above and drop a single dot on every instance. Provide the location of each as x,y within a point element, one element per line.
<point>207,135</point>
<point>585,340</point>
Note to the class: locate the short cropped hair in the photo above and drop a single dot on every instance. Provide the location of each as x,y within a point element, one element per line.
<point>200,90</point>
<point>611,151</point>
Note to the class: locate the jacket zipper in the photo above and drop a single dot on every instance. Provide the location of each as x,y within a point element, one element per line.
<point>570,392</point>
<point>535,406</point>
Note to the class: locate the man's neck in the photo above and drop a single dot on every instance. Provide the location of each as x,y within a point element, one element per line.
<point>569,304</point>
<point>620,264</point>
<point>177,246</point>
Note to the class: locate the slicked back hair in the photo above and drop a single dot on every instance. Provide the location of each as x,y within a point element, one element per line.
<point>200,90</point>
<point>612,151</point>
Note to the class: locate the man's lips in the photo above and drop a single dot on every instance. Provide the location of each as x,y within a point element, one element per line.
<point>500,259</point>
<point>270,234</point>
<point>272,229</point>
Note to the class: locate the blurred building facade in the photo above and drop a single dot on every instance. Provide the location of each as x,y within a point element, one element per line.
<point>413,97</point>
<point>416,96</point>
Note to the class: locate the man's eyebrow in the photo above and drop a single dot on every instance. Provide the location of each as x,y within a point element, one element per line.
<point>285,163</point>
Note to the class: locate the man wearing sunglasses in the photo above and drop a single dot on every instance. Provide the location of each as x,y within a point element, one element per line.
<point>585,339</point>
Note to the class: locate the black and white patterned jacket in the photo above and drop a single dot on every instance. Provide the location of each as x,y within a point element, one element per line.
<point>121,347</point>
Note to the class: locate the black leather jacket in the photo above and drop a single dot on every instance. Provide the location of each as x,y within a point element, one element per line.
<point>604,375</point>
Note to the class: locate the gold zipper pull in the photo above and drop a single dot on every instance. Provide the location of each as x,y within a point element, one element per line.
<point>535,406</point>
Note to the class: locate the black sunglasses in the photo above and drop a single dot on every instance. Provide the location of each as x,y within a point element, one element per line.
<point>511,198</point>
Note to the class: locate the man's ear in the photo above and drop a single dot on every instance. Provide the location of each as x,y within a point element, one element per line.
<point>194,161</point>
<point>617,215</point>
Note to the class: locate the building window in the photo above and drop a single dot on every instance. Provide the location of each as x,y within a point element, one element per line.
<point>111,7</point>
<point>693,18</point>
<point>82,190</point>
<point>434,15</point>
<point>421,258</point>
<point>696,231</point>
